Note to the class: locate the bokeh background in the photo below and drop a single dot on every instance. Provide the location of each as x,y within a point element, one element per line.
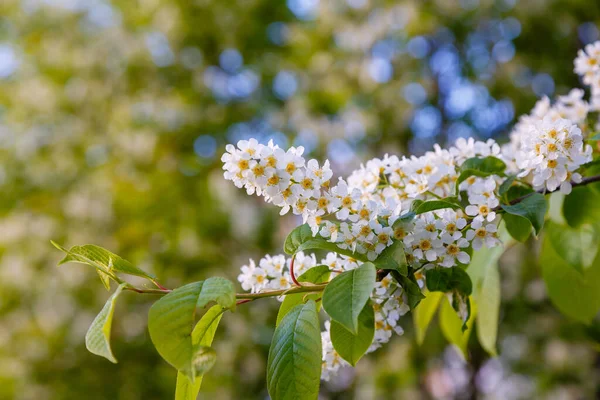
<point>113,117</point>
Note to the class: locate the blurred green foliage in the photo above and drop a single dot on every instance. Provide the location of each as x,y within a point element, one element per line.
<point>98,125</point>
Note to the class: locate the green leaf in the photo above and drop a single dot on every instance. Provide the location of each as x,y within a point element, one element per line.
<point>294,363</point>
<point>483,271</point>
<point>516,191</point>
<point>393,257</point>
<point>480,167</point>
<point>202,335</point>
<point>346,295</point>
<point>352,347</point>
<point>318,274</point>
<point>555,205</point>
<point>452,325</point>
<point>448,280</point>
<point>97,338</point>
<point>411,288</point>
<point>575,293</point>
<point>101,259</point>
<point>171,319</point>
<point>433,205</point>
<point>533,208</point>
<point>518,227</point>
<point>301,239</point>
<point>423,314</point>
<point>582,206</point>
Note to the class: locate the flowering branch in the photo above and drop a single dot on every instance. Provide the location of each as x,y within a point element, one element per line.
<point>583,182</point>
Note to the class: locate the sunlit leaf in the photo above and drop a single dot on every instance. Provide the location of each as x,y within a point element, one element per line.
<point>97,338</point>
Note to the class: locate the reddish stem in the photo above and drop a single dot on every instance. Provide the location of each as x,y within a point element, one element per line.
<point>292,272</point>
<point>243,301</point>
<point>158,285</point>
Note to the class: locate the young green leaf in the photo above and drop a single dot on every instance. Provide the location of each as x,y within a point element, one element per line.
<point>518,227</point>
<point>393,257</point>
<point>533,208</point>
<point>318,274</point>
<point>202,335</point>
<point>294,363</point>
<point>423,314</point>
<point>301,239</point>
<point>171,319</point>
<point>346,295</point>
<point>101,259</point>
<point>488,303</point>
<point>352,347</point>
<point>452,325</point>
<point>483,271</point>
<point>575,292</point>
<point>97,338</point>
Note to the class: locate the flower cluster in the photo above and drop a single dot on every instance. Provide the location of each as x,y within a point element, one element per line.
<point>552,153</point>
<point>587,65</point>
<point>374,206</point>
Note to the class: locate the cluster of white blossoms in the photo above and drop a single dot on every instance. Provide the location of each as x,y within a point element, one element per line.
<point>587,65</point>
<point>273,272</point>
<point>374,206</point>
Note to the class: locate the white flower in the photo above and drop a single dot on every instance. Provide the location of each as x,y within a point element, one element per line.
<point>319,174</point>
<point>332,361</point>
<point>274,266</point>
<point>453,252</point>
<point>481,234</point>
<point>253,278</point>
<point>329,230</point>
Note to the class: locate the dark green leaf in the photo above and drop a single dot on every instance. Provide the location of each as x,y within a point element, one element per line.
<point>448,280</point>
<point>411,288</point>
<point>352,347</point>
<point>533,208</point>
<point>97,338</point>
<point>294,364</point>
<point>433,205</point>
<point>301,239</point>
<point>506,185</point>
<point>516,191</point>
<point>518,227</point>
<point>346,295</point>
<point>393,257</point>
